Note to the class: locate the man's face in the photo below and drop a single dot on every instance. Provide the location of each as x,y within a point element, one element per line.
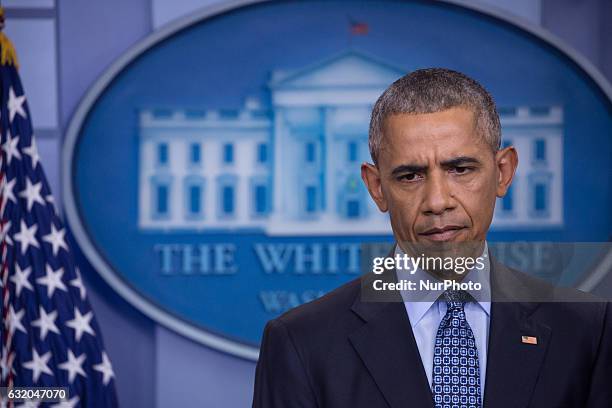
<point>437,177</point>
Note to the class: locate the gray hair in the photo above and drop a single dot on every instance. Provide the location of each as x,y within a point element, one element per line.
<point>434,90</point>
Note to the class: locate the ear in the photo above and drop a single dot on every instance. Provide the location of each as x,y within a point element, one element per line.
<point>371,177</point>
<point>506,161</point>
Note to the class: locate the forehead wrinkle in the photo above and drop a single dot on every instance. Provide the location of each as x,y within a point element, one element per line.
<point>419,143</point>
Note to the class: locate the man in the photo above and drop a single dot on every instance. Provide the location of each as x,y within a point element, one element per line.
<point>438,169</point>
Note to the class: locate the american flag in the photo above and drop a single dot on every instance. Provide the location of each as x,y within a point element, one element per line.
<point>50,337</point>
<point>358,27</point>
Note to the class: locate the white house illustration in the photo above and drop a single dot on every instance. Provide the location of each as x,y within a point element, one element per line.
<point>292,168</point>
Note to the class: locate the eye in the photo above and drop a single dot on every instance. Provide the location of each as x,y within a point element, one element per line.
<point>461,169</point>
<point>409,177</point>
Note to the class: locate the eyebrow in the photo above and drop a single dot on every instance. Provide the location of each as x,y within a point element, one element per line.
<point>408,168</point>
<point>458,161</point>
<point>416,168</point>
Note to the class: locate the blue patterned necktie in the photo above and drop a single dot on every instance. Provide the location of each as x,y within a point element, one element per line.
<point>456,375</point>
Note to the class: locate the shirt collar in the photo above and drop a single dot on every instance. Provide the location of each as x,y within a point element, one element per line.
<point>419,302</point>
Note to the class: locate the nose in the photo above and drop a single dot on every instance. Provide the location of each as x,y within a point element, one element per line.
<point>438,197</point>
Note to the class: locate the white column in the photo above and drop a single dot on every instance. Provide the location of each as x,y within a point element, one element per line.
<point>330,168</point>
<point>244,171</point>
<point>176,165</point>
<point>277,182</point>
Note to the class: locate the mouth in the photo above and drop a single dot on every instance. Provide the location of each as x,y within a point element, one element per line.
<point>442,234</point>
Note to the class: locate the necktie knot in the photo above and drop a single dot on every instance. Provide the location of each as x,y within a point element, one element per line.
<point>456,299</point>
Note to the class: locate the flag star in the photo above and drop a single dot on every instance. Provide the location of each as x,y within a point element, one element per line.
<point>80,324</point>
<point>15,320</point>
<point>53,280</point>
<point>21,279</point>
<point>10,148</point>
<point>32,151</point>
<point>46,323</point>
<point>56,239</point>
<point>105,368</point>
<point>5,227</point>
<point>74,366</point>
<point>26,236</point>
<point>7,193</point>
<point>71,403</point>
<point>32,194</point>
<point>7,190</point>
<point>78,283</point>
<point>38,364</point>
<point>15,105</point>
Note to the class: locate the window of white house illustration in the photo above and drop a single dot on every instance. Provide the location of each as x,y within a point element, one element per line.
<point>260,196</point>
<point>539,150</point>
<point>310,201</point>
<point>228,153</point>
<point>262,153</point>
<point>194,197</point>
<point>540,184</point>
<point>352,150</point>
<point>160,196</point>
<point>227,195</point>
<point>195,154</point>
<point>310,153</point>
<point>353,207</point>
<point>351,198</point>
<point>162,154</point>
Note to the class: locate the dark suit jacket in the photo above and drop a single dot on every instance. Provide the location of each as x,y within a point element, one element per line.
<point>338,351</point>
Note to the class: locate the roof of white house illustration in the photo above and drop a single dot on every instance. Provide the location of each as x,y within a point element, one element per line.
<point>346,69</point>
<point>347,78</point>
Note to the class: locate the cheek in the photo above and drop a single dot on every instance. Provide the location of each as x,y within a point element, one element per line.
<point>478,202</point>
<point>476,183</point>
<point>477,196</point>
<point>399,199</point>
<point>481,186</point>
<point>403,206</point>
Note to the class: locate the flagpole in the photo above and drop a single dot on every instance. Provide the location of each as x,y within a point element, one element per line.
<point>7,57</point>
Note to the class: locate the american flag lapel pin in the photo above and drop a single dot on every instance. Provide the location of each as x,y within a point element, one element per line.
<point>529,339</point>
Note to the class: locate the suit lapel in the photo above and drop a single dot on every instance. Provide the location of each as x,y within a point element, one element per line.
<point>512,365</point>
<point>388,349</point>
<point>386,345</point>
